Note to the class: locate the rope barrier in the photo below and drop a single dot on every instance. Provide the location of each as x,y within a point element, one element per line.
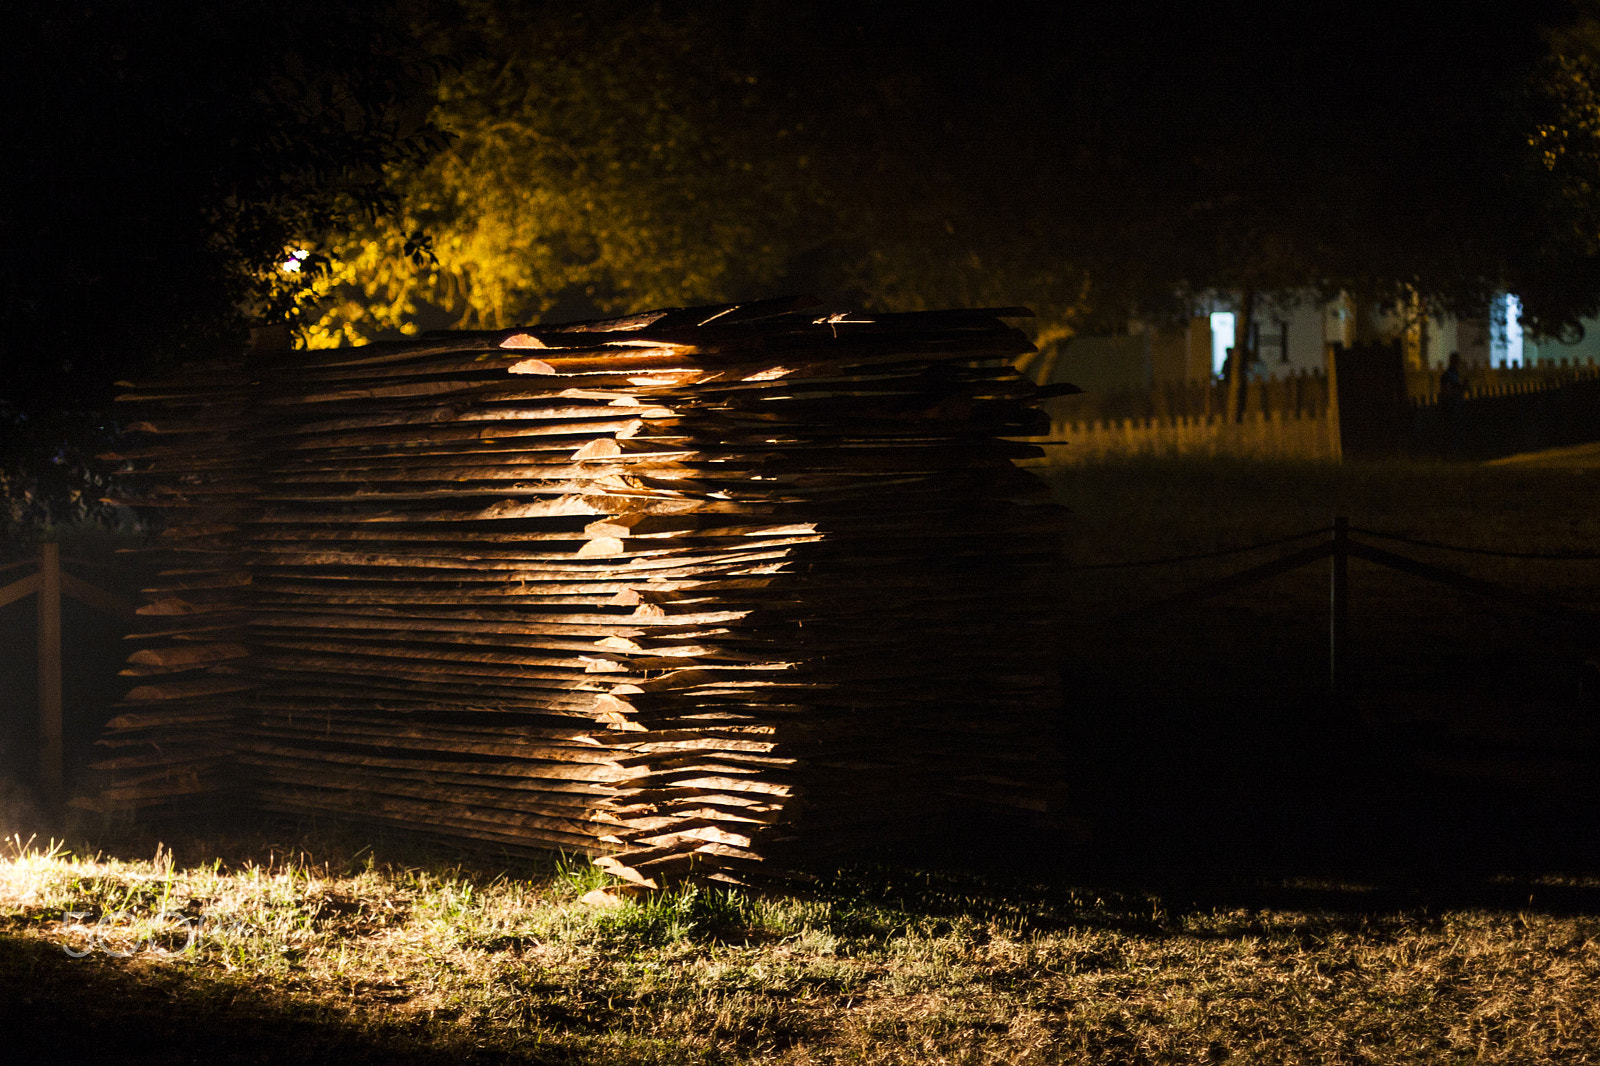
<point>1474,551</point>
<point>1206,555</point>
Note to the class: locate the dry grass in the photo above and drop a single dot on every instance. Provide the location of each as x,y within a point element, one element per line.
<point>1121,507</point>
<point>383,962</point>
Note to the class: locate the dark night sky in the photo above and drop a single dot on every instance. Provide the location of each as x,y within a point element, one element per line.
<point>1300,84</point>
<point>1307,79</point>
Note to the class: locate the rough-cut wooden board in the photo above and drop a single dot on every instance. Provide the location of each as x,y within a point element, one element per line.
<point>689,590</point>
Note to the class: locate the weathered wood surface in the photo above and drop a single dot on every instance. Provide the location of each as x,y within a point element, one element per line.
<point>692,591</point>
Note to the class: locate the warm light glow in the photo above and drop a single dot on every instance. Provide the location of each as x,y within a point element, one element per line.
<point>292,264</point>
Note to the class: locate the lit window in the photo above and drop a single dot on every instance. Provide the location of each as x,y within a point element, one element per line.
<point>1221,339</point>
<point>1513,313</point>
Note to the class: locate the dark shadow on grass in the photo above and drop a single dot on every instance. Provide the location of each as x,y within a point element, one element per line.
<point>1255,792</point>
<point>236,837</point>
<point>54,1008</point>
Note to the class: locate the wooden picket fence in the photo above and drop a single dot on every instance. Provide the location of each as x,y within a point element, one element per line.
<point>1292,417</point>
<point>1370,406</point>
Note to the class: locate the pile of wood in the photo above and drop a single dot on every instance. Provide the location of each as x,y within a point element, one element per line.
<point>688,591</point>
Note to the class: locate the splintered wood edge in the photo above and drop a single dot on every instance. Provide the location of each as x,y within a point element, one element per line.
<point>612,896</point>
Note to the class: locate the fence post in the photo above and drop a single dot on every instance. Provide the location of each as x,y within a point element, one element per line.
<point>1331,410</point>
<point>49,639</point>
<point>1339,613</point>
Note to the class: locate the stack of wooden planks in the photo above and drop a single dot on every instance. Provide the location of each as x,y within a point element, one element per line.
<point>689,591</point>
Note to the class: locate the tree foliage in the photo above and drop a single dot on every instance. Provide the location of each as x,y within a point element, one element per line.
<point>1105,164</point>
<point>1323,147</point>
<point>1100,163</point>
<point>1564,102</point>
<point>161,159</point>
<point>623,155</point>
<point>603,157</point>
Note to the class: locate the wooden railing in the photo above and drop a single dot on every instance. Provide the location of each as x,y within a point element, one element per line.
<point>49,583</point>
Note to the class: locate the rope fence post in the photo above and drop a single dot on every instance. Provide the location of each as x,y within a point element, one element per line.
<point>1339,614</point>
<point>49,642</point>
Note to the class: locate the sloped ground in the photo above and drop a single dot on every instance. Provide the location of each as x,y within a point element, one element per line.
<point>1574,457</point>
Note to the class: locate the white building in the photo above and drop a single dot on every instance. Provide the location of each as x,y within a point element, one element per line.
<point>1291,337</point>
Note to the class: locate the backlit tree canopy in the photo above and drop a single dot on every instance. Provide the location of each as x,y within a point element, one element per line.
<point>1102,160</point>
<point>161,156</point>
<point>617,156</point>
<point>1098,164</point>
<point>1378,150</point>
<point>597,164</point>
<point>1565,103</point>
<point>159,160</point>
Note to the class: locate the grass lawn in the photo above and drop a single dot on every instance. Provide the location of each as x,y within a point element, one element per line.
<point>1265,878</point>
<point>281,955</point>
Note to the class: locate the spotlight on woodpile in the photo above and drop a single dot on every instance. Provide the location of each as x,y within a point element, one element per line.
<point>704,591</point>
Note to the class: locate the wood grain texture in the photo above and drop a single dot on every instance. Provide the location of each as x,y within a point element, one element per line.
<point>702,592</point>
